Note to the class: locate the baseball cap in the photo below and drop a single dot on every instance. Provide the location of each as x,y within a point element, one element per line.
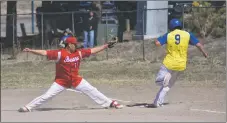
<point>72,40</point>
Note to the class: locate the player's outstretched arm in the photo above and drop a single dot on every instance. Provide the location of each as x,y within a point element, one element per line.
<point>37,52</point>
<point>201,48</point>
<point>98,49</point>
<point>108,45</point>
<point>101,48</point>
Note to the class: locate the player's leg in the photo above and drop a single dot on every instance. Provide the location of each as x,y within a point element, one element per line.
<point>166,79</point>
<point>54,90</point>
<point>173,79</point>
<point>162,80</point>
<point>96,95</point>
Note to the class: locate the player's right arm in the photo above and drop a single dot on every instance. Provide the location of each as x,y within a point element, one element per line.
<point>37,52</point>
<point>51,54</point>
<point>161,40</point>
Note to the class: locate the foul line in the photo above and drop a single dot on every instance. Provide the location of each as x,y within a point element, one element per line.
<point>69,89</point>
<point>210,111</point>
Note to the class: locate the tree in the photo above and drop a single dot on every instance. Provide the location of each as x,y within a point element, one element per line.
<point>208,21</point>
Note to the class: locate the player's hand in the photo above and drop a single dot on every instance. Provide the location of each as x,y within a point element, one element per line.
<point>112,42</point>
<point>27,50</point>
<point>205,55</point>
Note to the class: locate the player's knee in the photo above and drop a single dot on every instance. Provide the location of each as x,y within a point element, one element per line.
<point>159,80</point>
<point>166,79</point>
<point>93,89</point>
<point>90,89</point>
<point>46,96</point>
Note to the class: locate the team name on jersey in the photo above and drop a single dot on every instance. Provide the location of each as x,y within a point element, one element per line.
<point>74,59</point>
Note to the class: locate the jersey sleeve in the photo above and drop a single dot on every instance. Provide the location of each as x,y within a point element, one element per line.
<point>85,52</point>
<point>193,39</point>
<point>163,39</point>
<point>53,54</point>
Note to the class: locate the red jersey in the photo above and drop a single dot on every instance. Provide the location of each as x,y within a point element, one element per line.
<point>67,65</point>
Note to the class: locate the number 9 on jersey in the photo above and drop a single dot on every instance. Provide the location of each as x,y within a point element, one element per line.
<point>177,38</point>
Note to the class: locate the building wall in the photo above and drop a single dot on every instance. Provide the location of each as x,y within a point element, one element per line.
<point>156,20</point>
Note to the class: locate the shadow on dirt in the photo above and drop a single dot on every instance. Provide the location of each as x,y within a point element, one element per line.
<point>54,109</point>
<point>146,105</point>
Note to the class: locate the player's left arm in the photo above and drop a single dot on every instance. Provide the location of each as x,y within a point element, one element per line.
<point>98,49</point>
<point>194,41</point>
<point>89,51</point>
<point>161,40</point>
<point>107,45</point>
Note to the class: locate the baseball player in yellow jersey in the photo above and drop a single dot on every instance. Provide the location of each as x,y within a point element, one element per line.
<point>177,42</point>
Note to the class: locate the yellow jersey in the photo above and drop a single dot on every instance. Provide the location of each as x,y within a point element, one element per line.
<point>177,43</point>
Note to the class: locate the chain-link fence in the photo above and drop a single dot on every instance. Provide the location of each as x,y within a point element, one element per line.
<point>45,30</point>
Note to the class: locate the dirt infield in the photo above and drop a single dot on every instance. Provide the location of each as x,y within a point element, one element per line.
<point>185,104</point>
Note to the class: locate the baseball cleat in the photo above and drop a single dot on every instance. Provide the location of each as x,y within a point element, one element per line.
<point>154,105</point>
<point>24,109</point>
<point>116,105</point>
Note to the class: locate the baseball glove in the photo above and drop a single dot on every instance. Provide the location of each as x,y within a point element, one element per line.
<point>112,42</point>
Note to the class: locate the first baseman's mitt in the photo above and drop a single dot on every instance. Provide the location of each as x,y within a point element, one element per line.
<point>112,42</point>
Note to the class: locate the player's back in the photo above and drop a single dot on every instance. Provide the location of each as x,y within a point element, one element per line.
<point>177,47</point>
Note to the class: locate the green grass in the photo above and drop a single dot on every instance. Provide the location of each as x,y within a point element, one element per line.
<point>124,67</point>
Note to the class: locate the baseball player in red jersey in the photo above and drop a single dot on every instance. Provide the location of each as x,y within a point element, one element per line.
<point>67,66</point>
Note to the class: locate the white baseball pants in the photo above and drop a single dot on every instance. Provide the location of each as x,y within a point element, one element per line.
<point>83,87</point>
<point>159,99</point>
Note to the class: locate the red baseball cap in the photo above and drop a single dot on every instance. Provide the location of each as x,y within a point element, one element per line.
<point>72,40</point>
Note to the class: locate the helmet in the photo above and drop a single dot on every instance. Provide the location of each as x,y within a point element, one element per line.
<point>174,23</point>
<point>72,40</point>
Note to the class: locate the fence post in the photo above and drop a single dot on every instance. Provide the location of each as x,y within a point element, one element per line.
<point>42,29</point>
<point>1,20</point>
<point>2,57</point>
<point>73,23</point>
<point>183,17</point>
<point>127,25</point>
<point>13,50</point>
<point>33,30</point>
<point>143,36</point>
<point>106,37</point>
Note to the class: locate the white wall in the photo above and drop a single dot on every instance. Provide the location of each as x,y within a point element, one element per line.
<point>157,20</point>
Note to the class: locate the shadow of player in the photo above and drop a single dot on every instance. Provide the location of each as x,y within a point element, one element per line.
<point>145,105</point>
<point>55,109</point>
<point>75,108</point>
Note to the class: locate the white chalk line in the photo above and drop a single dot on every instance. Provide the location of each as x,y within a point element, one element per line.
<point>210,111</point>
<point>124,101</point>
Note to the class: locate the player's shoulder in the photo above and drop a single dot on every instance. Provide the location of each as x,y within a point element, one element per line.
<point>62,50</point>
<point>80,50</point>
<point>181,31</point>
<point>164,35</point>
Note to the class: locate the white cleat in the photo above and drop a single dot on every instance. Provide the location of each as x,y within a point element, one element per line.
<point>24,109</point>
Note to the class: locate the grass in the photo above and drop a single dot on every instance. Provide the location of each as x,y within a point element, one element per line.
<point>124,67</point>
<point>40,74</point>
